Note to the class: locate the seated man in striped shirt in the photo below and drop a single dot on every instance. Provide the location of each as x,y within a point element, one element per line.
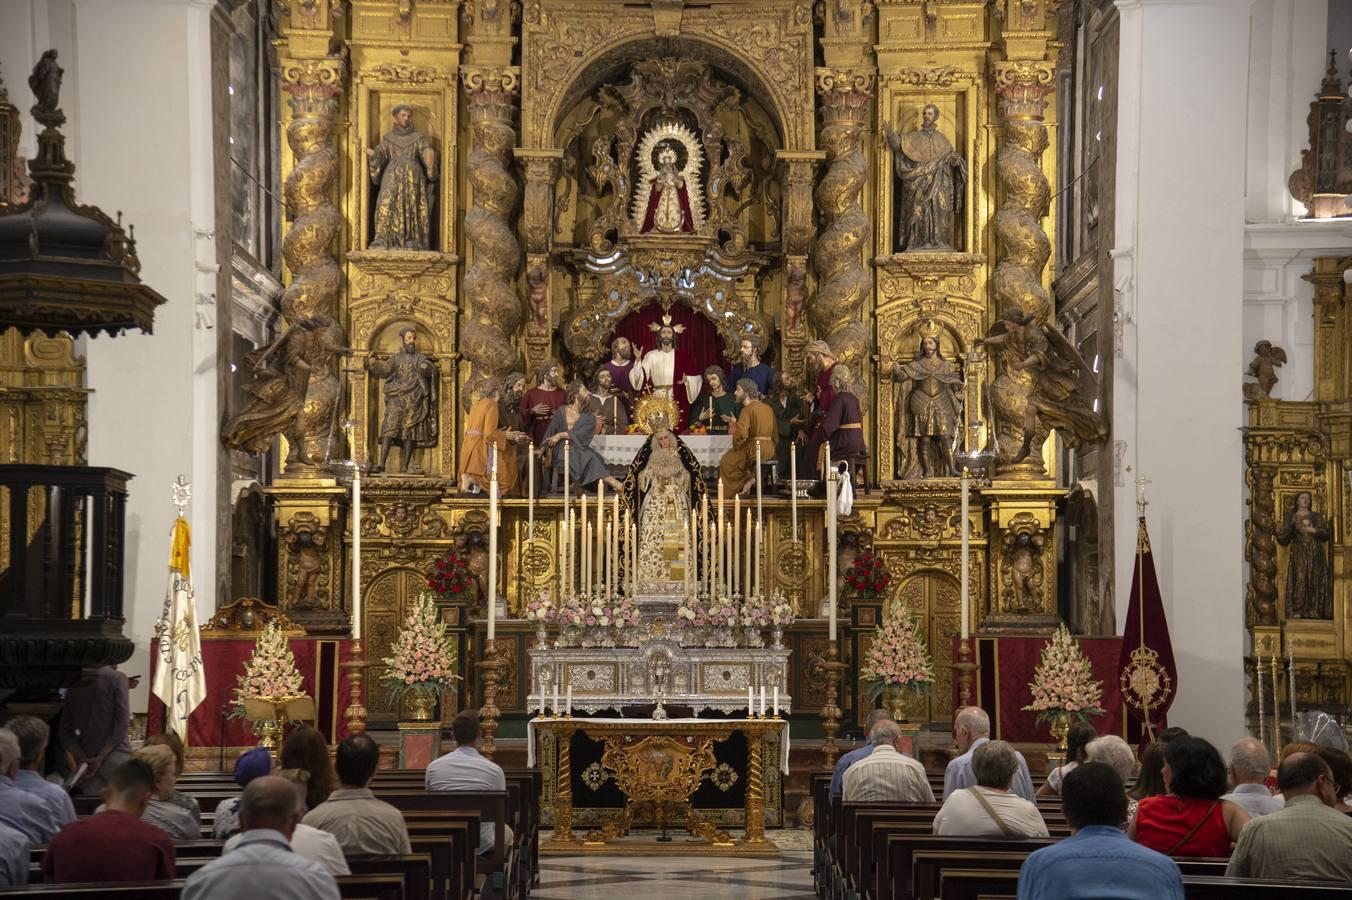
<point>887,774</point>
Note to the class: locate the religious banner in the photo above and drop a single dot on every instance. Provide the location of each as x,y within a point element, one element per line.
<point>180,681</point>
<point>1149,677</point>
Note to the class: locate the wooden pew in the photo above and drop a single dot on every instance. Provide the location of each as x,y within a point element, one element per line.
<point>452,839</point>
<point>350,887</point>
<point>982,884</point>
<point>415,871</point>
<point>490,805</point>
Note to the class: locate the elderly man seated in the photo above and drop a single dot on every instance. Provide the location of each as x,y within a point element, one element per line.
<point>1307,840</point>
<point>971,729</point>
<point>1249,766</point>
<point>988,809</point>
<point>887,774</point>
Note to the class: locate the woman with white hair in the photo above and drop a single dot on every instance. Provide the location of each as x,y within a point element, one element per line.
<point>1117,754</point>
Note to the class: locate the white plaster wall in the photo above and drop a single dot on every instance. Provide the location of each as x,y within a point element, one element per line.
<point>137,93</point>
<point>1179,270</point>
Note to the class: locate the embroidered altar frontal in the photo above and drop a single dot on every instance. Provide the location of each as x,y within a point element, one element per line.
<point>720,799</point>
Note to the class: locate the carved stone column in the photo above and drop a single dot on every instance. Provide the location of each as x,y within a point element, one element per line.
<point>489,284</point>
<point>843,280</point>
<point>541,168</point>
<point>1023,247</point>
<point>314,89</point>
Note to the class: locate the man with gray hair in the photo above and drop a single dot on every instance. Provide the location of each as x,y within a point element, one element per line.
<point>262,866</point>
<point>887,774</point>
<point>33,735</point>
<point>971,729</point>
<point>19,809</point>
<point>1249,766</point>
<point>849,759</point>
<point>988,809</point>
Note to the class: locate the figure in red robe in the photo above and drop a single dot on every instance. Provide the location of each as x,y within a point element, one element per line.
<point>668,210</point>
<point>822,360</point>
<point>538,403</point>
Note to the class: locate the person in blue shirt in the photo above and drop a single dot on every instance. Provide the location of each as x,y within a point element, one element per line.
<point>1098,861</point>
<point>849,759</point>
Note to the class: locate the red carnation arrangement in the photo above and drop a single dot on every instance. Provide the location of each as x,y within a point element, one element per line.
<point>452,576</point>
<point>867,577</point>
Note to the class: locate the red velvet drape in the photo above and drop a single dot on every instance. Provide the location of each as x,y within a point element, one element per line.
<point>698,347</point>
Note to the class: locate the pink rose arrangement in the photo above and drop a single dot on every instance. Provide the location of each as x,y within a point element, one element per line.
<point>755,613</point>
<point>897,655</point>
<point>719,612</point>
<point>422,662</point>
<point>781,612</point>
<point>1063,681</point>
<point>541,609</point>
<point>571,613</point>
<point>270,673</point>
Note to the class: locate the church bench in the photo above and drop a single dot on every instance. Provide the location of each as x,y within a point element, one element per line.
<point>819,789</point>
<point>452,838</point>
<point>896,875</point>
<point>490,805</point>
<point>415,871</point>
<point>979,884</point>
<point>350,887</point>
<point>929,866</point>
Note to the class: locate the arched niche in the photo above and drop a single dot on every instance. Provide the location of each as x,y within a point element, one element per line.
<point>382,342</point>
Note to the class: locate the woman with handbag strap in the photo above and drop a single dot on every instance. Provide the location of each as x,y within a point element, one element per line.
<point>1191,819</point>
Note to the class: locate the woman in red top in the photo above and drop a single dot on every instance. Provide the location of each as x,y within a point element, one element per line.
<point>1191,819</point>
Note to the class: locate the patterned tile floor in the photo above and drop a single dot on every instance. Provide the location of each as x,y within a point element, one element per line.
<point>670,877</point>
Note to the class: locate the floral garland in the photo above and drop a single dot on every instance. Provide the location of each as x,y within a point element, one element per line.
<point>270,673</point>
<point>1063,681</point>
<point>718,612</point>
<point>867,576</point>
<point>452,576</point>
<point>422,662</point>
<point>897,656</point>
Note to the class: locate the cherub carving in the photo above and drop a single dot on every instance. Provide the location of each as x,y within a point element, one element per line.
<point>1267,359</point>
<point>1023,570</point>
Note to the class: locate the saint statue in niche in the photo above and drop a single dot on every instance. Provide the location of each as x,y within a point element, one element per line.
<point>1309,592</point>
<point>668,199</point>
<point>404,166</point>
<point>932,177</point>
<point>410,402</point>
<point>928,410</point>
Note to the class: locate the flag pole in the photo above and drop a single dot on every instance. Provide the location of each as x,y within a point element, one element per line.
<point>1141,504</point>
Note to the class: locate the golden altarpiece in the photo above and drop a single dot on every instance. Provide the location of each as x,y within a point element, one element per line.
<point>877,177</point>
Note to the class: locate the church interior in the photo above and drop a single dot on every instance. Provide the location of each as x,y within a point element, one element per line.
<point>664,401</point>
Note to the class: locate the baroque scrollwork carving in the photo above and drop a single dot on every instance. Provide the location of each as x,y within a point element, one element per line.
<point>843,281</point>
<point>1260,549</point>
<point>495,313</point>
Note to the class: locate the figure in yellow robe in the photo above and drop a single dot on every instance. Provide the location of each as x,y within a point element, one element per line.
<point>481,432</point>
<point>755,426</point>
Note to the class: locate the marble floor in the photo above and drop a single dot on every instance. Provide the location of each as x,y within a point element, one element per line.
<point>786,877</point>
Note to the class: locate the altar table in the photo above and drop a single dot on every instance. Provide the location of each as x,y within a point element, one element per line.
<point>659,763</point>
<point>619,449</point>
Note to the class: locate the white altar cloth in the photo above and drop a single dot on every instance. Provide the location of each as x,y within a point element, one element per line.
<point>582,726</point>
<point>620,449</point>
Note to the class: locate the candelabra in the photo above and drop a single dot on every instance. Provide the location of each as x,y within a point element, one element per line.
<point>355,714</point>
<point>831,667</point>
<point>966,667</point>
<point>491,666</point>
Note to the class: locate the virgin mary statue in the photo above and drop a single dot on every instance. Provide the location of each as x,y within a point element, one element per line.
<point>663,484</point>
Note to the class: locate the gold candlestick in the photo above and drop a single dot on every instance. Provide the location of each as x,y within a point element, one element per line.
<point>966,673</point>
<point>355,714</point>
<point>831,667</point>
<point>491,666</point>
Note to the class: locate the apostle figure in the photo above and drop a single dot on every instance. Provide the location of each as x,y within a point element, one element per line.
<point>933,177</point>
<point>714,407</point>
<point>620,366</point>
<point>668,210</point>
<point>842,423</point>
<point>574,423</point>
<point>749,365</point>
<point>484,430</point>
<point>409,410</point>
<point>509,417</point>
<point>281,378</point>
<point>539,403</point>
<point>404,165</point>
<point>791,416</point>
<point>657,370</point>
<point>821,365</point>
<point>755,427</point>
<point>1309,593</point>
<point>610,407</point>
<point>928,411</point>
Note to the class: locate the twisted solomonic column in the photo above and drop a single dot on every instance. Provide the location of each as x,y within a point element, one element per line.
<point>495,310</point>
<point>314,89</point>
<point>843,280</point>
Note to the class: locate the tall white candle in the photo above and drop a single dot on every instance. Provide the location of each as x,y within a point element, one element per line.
<point>762,700</point>
<point>750,701</point>
<point>708,540</point>
<point>567,584</point>
<point>530,495</point>
<point>615,544</point>
<point>831,501</point>
<point>760,541</point>
<point>718,548</point>
<point>356,553</point>
<point>569,709</point>
<point>610,559</point>
<point>587,552</point>
<point>493,548</point>
<point>585,558</point>
<point>599,562</point>
<point>554,706</point>
<point>760,511</point>
<point>793,488</point>
<point>776,701</point>
<point>966,575</point>
<point>736,568</point>
<point>746,558</point>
